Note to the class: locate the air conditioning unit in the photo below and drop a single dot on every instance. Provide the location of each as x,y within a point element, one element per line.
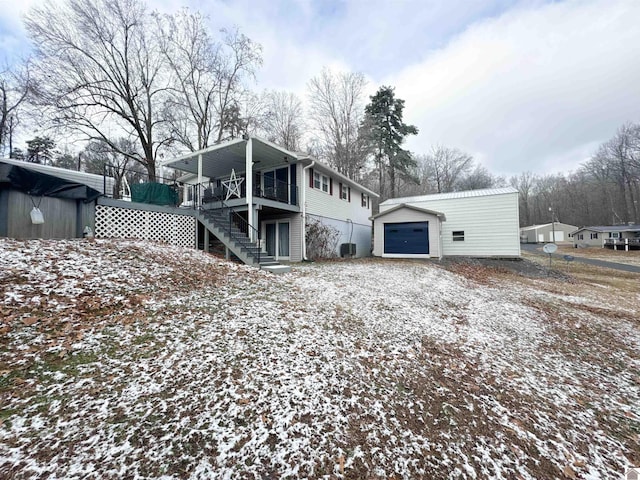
<point>347,250</point>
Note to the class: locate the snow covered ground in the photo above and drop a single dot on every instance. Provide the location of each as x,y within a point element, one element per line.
<point>135,360</point>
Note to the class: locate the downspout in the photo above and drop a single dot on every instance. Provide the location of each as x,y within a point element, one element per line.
<point>304,209</point>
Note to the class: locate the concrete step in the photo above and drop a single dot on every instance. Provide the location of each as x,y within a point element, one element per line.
<point>277,269</point>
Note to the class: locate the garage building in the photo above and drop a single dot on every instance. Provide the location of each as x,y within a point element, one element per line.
<point>477,223</point>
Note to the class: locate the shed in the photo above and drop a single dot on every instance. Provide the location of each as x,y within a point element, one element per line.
<point>556,232</point>
<point>66,201</point>
<point>479,223</point>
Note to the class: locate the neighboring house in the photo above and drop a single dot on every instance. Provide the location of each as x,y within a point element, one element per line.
<point>615,236</point>
<point>478,223</point>
<point>549,232</point>
<point>271,194</point>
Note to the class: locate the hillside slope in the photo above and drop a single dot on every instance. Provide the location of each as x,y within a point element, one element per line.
<point>131,359</point>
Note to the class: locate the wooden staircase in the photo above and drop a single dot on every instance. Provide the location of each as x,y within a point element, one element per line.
<point>220,224</point>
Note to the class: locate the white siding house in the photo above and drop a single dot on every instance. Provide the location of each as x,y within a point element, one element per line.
<point>276,193</point>
<point>478,223</point>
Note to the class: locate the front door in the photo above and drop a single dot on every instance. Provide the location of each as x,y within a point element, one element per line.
<point>277,239</point>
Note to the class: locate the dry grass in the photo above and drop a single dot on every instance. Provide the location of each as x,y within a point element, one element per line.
<point>632,257</point>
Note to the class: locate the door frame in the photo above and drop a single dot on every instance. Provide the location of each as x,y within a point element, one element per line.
<point>277,222</point>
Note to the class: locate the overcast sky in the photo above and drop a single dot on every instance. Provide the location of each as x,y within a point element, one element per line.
<point>520,85</point>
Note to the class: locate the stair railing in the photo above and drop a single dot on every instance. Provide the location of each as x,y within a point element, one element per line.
<point>233,218</point>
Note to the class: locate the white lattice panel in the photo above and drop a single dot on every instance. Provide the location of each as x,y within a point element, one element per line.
<point>115,222</point>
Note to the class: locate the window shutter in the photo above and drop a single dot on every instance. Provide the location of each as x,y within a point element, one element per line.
<point>340,190</point>
<point>330,186</point>
<point>349,193</point>
<point>311,177</point>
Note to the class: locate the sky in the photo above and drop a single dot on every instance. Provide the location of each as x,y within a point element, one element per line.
<point>525,85</point>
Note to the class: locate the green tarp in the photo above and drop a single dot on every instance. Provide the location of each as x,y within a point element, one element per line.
<point>154,193</point>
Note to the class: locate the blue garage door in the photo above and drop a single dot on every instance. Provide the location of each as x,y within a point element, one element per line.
<point>410,237</point>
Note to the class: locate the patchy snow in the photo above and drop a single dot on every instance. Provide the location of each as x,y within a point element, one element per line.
<point>132,359</point>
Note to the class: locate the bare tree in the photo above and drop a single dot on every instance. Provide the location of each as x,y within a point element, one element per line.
<point>448,166</point>
<point>282,120</point>
<point>524,183</point>
<point>15,86</point>
<point>101,71</point>
<point>620,159</point>
<point>336,111</point>
<point>208,78</point>
<point>101,158</point>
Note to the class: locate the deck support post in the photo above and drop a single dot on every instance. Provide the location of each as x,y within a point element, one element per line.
<point>206,240</point>
<point>199,189</point>
<point>248,181</point>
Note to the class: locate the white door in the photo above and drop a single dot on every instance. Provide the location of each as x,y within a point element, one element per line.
<point>541,238</point>
<point>559,236</point>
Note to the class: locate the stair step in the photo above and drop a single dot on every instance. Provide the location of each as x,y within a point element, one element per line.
<point>277,269</point>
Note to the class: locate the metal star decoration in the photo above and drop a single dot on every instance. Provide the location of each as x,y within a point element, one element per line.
<point>233,185</point>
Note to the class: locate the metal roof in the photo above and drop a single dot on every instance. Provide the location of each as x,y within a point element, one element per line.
<point>451,195</point>
<point>611,228</point>
<point>535,227</point>
<point>440,215</point>
<point>92,180</point>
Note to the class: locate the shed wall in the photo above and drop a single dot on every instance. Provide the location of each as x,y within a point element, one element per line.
<point>63,218</point>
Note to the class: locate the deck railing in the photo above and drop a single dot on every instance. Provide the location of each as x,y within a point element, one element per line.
<point>117,183</point>
<point>275,190</point>
<point>234,220</point>
<point>622,242</point>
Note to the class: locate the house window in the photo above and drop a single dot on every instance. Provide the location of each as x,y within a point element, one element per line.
<point>321,182</point>
<point>614,235</point>
<point>594,236</point>
<point>344,192</point>
<point>580,236</point>
<point>458,236</point>
<point>365,201</point>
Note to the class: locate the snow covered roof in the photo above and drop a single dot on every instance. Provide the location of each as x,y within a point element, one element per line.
<point>451,195</point>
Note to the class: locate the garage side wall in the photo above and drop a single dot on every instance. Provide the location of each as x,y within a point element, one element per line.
<point>407,215</point>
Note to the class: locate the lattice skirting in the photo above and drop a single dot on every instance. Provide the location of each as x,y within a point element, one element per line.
<point>114,222</point>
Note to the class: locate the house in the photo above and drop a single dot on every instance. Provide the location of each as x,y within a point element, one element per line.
<point>478,223</point>
<point>555,232</point>
<point>258,198</point>
<point>612,236</point>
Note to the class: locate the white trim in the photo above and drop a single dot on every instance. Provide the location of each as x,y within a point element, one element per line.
<point>406,255</point>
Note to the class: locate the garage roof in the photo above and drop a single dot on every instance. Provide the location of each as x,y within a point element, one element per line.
<point>451,195</point>
<point>440,215</point>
